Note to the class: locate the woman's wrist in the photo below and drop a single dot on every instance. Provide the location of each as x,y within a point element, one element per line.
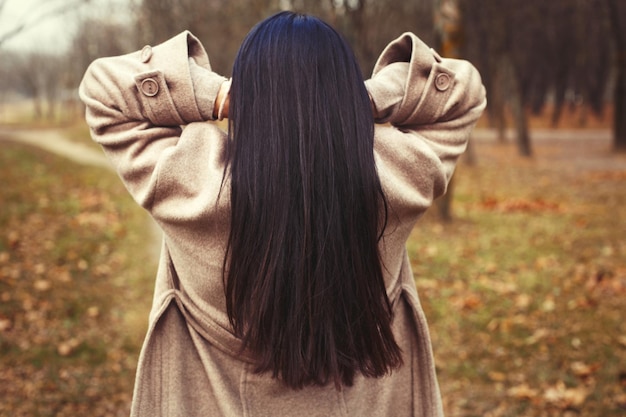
<point>220,108</point>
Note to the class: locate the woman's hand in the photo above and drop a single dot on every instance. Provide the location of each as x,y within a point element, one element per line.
<point>222,101</point>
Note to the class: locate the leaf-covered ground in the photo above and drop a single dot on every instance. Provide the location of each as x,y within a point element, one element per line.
<point>525,290</point>
<point>74,288</point>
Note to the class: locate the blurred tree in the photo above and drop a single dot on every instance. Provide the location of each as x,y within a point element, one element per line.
<point>448,41</point>
<point>503,42</point>
<point>7,80</point>
<point>222,24</point>
<point>617,13</point>
<point>52,85</point>
<point>97,38</point>
<point>94,38</point>
<point>370,24</point>
<point>35,74</point>
<point>448,28</point>
<point>532,51</point>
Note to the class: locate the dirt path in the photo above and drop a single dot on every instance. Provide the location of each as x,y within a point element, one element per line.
<point>582,150</point>
<point>53,141</point>
<point>547,134</point>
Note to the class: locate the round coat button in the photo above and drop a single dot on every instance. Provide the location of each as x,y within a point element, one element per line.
<point>146,53</point>
<point>149,87</point>
<point>442,82</point>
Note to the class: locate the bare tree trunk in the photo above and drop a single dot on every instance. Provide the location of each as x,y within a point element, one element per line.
<point>51,108</point>
<point>449,33</point>
<point>497,118</point>
<point>444,204</point>
<point>521,125</point>
<point>470,153</point>
<point>619,116</point>
<point>516,101</point>
<point>37,108</point>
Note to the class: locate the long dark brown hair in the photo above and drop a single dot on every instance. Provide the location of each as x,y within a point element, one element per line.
<point>303,275</point>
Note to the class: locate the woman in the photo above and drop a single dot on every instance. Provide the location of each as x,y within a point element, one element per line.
<point>284,288</point>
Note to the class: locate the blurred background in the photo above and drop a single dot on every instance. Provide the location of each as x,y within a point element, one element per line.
<point>536,55</point>
<point>521,267</point>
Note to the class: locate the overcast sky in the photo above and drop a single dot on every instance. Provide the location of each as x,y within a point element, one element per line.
<point>54,33</point>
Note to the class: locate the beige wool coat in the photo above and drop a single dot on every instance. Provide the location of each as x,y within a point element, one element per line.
<point>149,111</point>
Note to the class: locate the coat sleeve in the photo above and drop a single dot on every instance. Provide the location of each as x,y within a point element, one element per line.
<point>136,105</point>
<point>430,105</point>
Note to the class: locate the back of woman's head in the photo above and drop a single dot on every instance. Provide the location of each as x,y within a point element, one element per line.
<point>303,276</point>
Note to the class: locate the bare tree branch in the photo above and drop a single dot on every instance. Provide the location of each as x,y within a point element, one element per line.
<point>2,4</point>
<point>36,19</point>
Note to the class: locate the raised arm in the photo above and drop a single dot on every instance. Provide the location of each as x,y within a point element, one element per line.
<point>137,104</point>
<point>431,105</point>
